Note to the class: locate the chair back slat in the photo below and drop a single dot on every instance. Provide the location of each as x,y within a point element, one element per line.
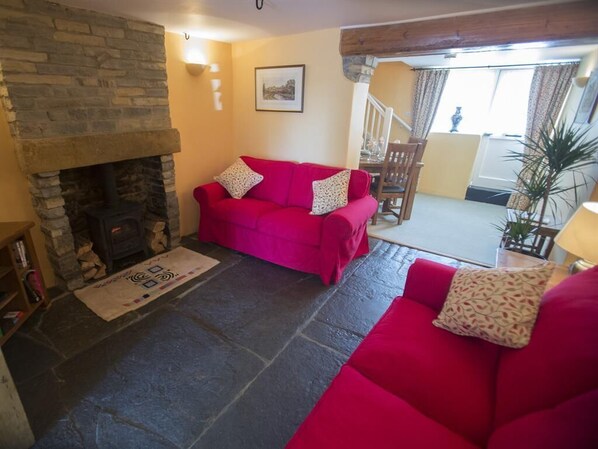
<point>398,164</point>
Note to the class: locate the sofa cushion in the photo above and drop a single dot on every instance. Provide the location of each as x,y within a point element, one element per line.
<point>571,424</point>
<point>277,179</point>
<point>292,223</point>
<point>356,413</point>
<point>244,212</point>
<point>301,191</point>
<point>331,193</point>
<point>446,377</point>
<point>238,179</point>
<point>561,359</point>
<point>499,305</point>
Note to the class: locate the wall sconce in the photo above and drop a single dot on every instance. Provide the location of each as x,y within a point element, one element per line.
<point>580,81</point>
<point>194,68</point>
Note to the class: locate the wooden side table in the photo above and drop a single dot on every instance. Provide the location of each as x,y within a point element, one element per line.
<point>506,258</point>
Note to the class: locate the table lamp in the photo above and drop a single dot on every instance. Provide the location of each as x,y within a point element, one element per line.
<point>579,236</point>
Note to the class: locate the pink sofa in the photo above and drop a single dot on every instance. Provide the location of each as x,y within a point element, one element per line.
<point>412,385</point>
<point>272,221</point>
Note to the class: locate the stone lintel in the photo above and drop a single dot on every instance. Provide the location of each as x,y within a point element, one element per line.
<point>359,69</point>
<point>61,153</point>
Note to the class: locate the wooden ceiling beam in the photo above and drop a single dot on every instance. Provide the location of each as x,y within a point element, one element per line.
<point>556,24</point>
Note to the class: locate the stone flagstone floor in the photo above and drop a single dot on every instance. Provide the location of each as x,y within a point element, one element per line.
<point>233,359</point>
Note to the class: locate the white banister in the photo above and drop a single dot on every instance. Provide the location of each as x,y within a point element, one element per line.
<point>378,124</point>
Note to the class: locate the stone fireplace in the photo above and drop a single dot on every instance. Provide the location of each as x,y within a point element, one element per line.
<point>81,89</point>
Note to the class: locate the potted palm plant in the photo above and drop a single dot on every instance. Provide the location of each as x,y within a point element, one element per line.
<point>561,152</point>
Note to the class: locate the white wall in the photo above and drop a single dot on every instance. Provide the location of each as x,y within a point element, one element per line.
<point>587,65</point>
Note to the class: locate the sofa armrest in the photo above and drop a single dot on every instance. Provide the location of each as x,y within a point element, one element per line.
<point>211,193</point>
<point>428,283</point>
<point>343,222</point>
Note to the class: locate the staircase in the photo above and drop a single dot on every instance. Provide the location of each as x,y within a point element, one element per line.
<point>376,131</point>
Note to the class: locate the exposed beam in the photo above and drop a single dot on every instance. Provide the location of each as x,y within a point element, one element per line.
<point>557,24</point>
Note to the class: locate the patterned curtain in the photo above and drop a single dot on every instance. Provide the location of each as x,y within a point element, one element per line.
<point>547,94</point>
<point>429,85</point>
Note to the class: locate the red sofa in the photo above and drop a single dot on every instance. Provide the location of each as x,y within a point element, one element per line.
<point>272,221</point>
<point>412,385</point>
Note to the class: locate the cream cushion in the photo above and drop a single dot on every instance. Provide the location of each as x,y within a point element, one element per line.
<point>238,179</point>
<point>498,305</point>
<point>331,193</point>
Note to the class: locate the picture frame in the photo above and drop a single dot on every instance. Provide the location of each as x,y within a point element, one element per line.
<point>587,104</point>
<point>280,88</point>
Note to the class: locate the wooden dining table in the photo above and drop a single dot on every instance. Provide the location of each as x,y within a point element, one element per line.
<point>374,167</point>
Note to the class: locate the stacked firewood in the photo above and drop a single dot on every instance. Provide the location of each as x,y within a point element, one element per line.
<point>91,264</point>
<point>154,234</point>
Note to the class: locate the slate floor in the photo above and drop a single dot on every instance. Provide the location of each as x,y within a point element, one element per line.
<point>233,359</point>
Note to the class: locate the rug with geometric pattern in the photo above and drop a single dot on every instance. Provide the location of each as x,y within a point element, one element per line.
<point>138,285</point>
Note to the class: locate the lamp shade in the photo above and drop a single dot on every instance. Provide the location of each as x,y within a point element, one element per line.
<point>579,236</point>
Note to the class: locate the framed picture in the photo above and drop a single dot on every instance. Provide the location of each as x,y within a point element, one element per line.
<point>588,100</point>
<point>279,88</point>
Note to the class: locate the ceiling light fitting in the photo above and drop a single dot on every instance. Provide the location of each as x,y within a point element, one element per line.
<point>259,4</point>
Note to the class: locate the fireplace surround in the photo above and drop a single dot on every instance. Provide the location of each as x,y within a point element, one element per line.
<point>65,195</point>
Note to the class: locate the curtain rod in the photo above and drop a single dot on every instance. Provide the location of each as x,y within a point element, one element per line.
<point>493,66</point>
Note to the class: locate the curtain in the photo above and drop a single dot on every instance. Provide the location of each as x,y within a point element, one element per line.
<point>547,94</point>
<point>429,85</point>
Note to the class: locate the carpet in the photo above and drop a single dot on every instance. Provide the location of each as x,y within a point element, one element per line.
<point>137,286</point>
<point>459,229</point>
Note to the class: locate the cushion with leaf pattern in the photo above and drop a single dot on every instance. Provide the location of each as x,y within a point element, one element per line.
<point>499,305</point>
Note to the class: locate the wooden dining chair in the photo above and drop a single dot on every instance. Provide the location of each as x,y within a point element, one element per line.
<point>395,179</point>
<point>419,164</point>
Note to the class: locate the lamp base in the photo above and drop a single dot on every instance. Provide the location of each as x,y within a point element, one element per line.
<point>580,265</point>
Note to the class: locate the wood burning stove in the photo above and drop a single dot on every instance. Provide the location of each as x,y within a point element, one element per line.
<point>117,227</point>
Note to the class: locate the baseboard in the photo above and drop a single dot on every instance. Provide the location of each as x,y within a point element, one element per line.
<point>490,196</point>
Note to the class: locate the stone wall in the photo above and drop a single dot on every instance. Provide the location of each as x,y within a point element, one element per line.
<point>82,88</point>
<point>67,71</point>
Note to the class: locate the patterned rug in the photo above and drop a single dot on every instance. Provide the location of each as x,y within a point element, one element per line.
<point>136,286</point>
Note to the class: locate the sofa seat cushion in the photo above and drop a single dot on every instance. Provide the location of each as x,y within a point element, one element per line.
<point>243,212</point>
<point>277,179</point>
<point>447,377</point>
<point>561,359</point>
<point>355,413</point>
<point>292,223</point>
<point>571,424</point>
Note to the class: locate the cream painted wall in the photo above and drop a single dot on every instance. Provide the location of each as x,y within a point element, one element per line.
<point>15,201</point>
<point>393,84</point>
<point>448,162</point>
<point>201,108</point>
<point>321,133</point>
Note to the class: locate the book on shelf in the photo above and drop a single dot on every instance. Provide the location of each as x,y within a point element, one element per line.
<point>9,319</point>
<point>18,248</point>
<point>33,286</point>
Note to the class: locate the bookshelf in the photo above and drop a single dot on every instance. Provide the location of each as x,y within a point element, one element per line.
<point>22,288</point>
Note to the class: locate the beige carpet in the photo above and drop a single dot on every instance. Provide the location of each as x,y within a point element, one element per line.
<point>456,228</point>
<point>135,287</point>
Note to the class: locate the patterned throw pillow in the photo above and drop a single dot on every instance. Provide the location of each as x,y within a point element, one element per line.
<point>331,193</point>
<point>238,179</point>
<point>499,305</point>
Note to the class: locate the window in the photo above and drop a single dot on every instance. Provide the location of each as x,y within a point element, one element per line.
<point>492,101</point>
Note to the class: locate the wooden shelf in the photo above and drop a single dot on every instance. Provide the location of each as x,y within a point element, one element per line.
<point>4,271</point>
<point>8,299</point>
<point>11,273</point>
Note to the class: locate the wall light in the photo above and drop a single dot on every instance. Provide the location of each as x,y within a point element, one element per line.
<point>581,81</point>
<point>194,68</point>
